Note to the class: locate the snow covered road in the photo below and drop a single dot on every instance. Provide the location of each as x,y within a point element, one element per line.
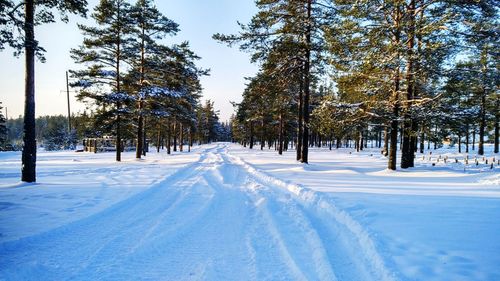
<point>224,212</point>
<point>215,219</point>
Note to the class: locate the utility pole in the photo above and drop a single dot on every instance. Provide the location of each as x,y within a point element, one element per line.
<point>69,110</point>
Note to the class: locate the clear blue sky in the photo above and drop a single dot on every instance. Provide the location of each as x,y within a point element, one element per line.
<point>198,20</point>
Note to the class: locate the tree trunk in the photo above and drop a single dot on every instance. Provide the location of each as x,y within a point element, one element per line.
<point>174,134</point>
<point>181,137</point>
<point>394,139</point>
<point>497,121</point>
<point>474,138</point>
<point>361,140</point>
<point>158,140</point>
<point>144,138</point>
<point>169,138</point>
<point>407,155</point>
<point>482,124</point>
<point>251,134</point>
<point>307,86</point>
<point>280,135</point>
<point>356,143</point>
<point>459,143</point>
<point>385,151</point>
<point>406,148</point>
<point>379,144</point>
<point>190,139</point>
<point>140,123</point>
<point>467,135</point>
<point>118,90</point>
<point>262,134</point>
<point>118,137</point>
<point>300,129</point>
<point>28,172</point>
<point>401,132</point>
<point>395,99</point>
<point>422,139</point>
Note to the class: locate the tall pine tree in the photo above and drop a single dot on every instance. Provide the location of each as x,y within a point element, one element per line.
<point>303,23</point>
<point>105,49</point>
<point>17,30</point>
<point>150,25</point>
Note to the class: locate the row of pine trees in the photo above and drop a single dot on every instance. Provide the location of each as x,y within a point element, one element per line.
<point>131,77</point>
<point>401,72</point>
<point>135,85</point>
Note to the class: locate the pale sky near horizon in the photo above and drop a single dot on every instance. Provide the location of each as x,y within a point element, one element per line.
<point>198,20</point>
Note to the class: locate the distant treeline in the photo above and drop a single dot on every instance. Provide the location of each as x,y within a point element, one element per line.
<point>53,133</point>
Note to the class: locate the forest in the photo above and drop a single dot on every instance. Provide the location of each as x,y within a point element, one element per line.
<point>331,72</point>
<point>340,73</point>
<point>135,85</point>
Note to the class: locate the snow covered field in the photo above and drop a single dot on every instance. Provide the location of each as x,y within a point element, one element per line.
<point>223,212</point>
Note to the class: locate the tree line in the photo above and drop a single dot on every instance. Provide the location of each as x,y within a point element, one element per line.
<point>3,130</point>
<point>131,78</point>
<point>400,72</point>
<point>53,132</point>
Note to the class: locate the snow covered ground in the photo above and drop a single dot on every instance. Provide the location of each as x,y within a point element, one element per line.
<point>223,212</point>
<point>428,223</point>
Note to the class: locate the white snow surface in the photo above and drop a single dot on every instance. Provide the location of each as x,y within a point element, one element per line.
<point>224,212</point>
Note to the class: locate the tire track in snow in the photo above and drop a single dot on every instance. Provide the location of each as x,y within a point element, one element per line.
<point>70,249</point>
<point>266,262</point>
<point>152,249</point>
<point>215,219</point>
<point>367,262</point>
<point>289,232</point>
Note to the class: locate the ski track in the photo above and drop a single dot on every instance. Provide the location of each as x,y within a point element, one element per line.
<point>216,219</point>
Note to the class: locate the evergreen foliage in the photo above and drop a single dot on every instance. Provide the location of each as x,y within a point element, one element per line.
<point>406,71</point>
<point>3,129</point>
<point>133,80</point>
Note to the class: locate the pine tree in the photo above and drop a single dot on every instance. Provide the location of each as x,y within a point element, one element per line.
<point>104,50</point>
<point>483,36</point>
<point>17,30</point>
<point>459,105</point>
<point>172,92</point>
<point>366,46</point>
<point>398,48</point>
<point>268,98</point>
<point>151,25</point>
<point>301,22</point>
<point>57,137</point>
